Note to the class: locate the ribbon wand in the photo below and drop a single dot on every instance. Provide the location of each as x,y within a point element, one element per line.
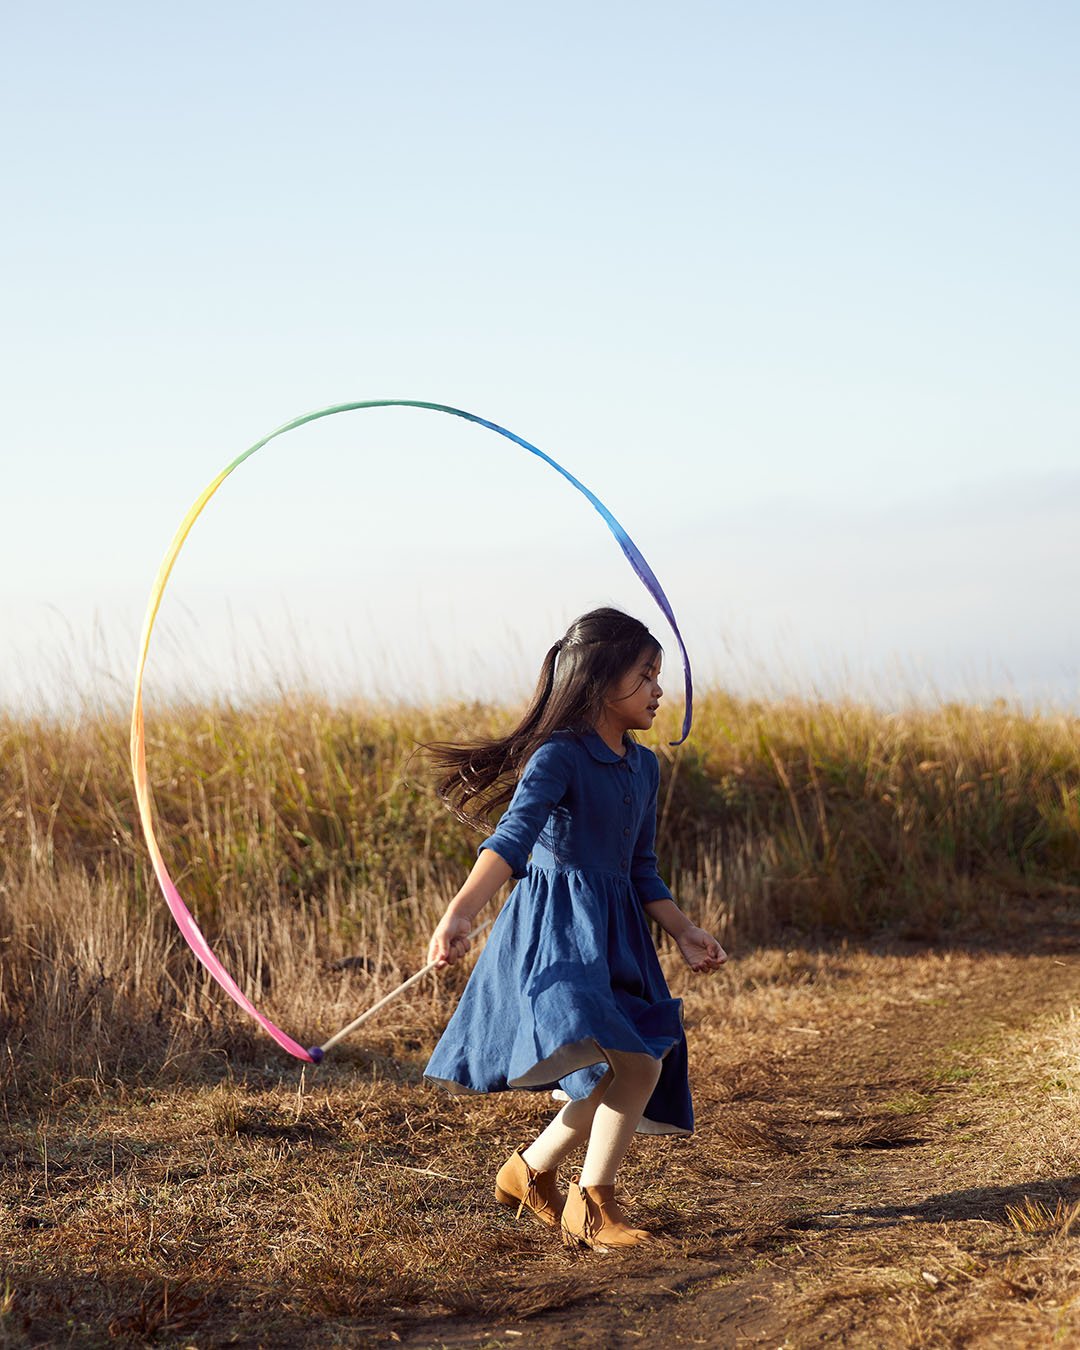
<point>185,920</point>
<point>317,1051</point>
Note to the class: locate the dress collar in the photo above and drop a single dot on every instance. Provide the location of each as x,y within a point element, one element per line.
<point>603,753</point>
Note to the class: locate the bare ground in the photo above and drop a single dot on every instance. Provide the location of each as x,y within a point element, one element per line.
<point>888,1153</point>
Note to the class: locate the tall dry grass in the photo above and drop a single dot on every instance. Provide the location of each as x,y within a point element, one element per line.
<point>921,818</point>
<point>307,841</point>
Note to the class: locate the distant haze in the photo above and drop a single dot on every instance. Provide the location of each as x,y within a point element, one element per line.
<point>793,289</point>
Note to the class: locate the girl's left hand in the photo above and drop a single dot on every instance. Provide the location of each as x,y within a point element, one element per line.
<point>700,950</point>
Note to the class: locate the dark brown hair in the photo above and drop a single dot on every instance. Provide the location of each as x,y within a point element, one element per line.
<point>596,651</point>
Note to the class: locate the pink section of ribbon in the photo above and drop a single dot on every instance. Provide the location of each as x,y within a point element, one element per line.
<point>184,919</point>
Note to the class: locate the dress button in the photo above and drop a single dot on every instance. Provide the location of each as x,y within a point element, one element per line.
<point>626,800</point>
<point>626,831</point>
<point>622,864</point>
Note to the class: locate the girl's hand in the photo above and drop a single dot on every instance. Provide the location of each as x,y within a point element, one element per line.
<point>700,950</point>
<point>450,940</point>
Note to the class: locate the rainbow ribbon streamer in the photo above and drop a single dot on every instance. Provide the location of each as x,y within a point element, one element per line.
<point>180,912</point>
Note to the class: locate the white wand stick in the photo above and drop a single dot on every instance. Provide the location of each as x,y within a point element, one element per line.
<point>317,1051</point>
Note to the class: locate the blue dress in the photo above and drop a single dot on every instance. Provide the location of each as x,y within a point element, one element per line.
<point>569,969</point>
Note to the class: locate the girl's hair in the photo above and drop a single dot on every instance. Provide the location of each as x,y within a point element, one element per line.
<point>578,671</point>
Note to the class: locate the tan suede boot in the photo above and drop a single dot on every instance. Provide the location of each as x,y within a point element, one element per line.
<point>538,1192</point>
<point>592,1218</point>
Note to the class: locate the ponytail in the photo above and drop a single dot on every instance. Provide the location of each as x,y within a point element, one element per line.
<point>481,773</point>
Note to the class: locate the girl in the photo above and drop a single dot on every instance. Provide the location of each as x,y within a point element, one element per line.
<point>568,990</point>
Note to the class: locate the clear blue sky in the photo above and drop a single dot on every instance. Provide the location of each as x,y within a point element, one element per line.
<point>793,287</point>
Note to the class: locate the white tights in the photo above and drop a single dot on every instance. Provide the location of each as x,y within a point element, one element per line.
<point>607,1118</point>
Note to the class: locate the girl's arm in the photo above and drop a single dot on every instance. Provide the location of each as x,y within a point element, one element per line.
<point>505,853</point>
<point>700,950</point>
<point>450,940</point>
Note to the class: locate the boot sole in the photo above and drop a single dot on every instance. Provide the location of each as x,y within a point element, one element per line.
<point>575,1240</point>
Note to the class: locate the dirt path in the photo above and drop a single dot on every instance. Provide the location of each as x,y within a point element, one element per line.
<point>888,1154</point>
<point>883,1167</point>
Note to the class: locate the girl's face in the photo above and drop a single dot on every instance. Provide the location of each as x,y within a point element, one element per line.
<point>633,700</point>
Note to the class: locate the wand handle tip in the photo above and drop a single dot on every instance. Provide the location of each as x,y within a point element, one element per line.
<point>316,1053</point>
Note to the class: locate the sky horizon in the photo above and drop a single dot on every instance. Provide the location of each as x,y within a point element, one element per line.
<point>794,293</point>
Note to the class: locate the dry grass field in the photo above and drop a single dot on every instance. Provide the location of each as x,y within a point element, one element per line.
<point>885,1075</point>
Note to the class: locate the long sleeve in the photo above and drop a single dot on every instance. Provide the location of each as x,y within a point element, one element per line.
<point>643,870</point>
<point>540,789</point>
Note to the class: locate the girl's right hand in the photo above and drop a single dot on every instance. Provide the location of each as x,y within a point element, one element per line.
<point>700,950</point>
<point>450,940</point>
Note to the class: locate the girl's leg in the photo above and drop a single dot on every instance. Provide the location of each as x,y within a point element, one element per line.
<point>607,1118</point>
<point>527,1178</point>
<point>569,1130</point>
<point>591,1215</point>
<point>617,1115</point>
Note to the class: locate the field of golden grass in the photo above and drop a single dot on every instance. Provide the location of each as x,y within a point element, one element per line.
<point>885,1075</point>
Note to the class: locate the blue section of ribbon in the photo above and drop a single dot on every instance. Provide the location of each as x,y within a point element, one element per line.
<point>630,549</point>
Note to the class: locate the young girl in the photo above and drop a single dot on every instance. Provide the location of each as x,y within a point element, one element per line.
<point>568,990</point>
